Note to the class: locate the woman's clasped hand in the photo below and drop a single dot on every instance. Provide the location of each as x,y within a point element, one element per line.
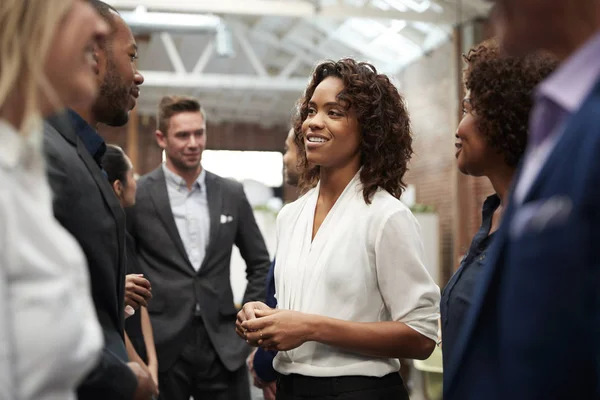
<point>274,329</point>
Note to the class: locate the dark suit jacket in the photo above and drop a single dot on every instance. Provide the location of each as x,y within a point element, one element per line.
<point>177,288</point>
<point>533,330</point>
<point>86,206</point>
<point>263,359</point>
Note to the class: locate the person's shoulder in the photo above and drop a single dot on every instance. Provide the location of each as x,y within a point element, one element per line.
<point>54,142</point>
<point>150,176</point>
<point>59,153</point>
<point>384,207</point>
<point>383,202</point>
<point>50,129</point>
<point>227,184</point>
<point>294,206</point>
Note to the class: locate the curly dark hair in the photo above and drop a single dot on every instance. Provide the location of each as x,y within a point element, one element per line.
<point>386,139</point>
<point>502,95</point>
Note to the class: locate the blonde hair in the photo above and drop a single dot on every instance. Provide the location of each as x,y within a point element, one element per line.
<point>26,31</point>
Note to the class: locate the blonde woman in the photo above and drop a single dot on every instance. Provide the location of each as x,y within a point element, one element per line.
<point>49,335</point>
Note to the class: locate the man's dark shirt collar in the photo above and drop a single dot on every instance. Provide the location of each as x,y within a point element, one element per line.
<point>93,142</point>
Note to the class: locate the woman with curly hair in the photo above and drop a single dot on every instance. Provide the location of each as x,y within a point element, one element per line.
<point>491,140</point>
<point>352,291</point>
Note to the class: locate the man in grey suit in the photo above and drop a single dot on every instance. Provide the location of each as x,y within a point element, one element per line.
<point>185,222</point>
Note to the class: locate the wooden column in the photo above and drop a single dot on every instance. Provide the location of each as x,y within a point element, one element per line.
<point>133,144</point>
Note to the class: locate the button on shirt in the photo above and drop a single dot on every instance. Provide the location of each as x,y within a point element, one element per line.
<point>458,293</point>
<point>190,211</point>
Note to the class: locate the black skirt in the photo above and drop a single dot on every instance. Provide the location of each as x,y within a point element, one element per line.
<point>296,387</point>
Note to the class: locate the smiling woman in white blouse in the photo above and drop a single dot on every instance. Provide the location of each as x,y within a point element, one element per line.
<point>49,334</point>
<point>353,293</point>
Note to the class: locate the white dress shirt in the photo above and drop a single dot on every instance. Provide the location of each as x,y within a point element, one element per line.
<point>49,334</point>
<point>190,211</point>
<point>365,264</point>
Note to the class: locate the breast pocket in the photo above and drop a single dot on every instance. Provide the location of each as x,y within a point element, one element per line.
<point>562,244</point>
<point>547,282</point>
<point>465,286</point>
<point>227,225</point>
<point>541,267</point>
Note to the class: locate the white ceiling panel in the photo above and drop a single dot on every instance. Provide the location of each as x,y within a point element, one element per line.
<point>256,62</point>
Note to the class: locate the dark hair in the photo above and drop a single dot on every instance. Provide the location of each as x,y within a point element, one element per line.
<point>386,140</point>
<point>107,12</point>
<point>171,105</point>
<point>502,95</point>
<point>115,163</point>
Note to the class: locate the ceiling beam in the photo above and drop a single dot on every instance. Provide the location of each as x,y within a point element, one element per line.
<point>223,81</point>
<point>204,58</point>
<point>291,66</point>
<point>270,39</point>
<point>281,8</point>
<point>249,52</point>
<point>172,52</point>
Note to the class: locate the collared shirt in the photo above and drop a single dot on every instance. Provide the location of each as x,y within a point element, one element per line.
<point>93,142</point>
<point>365,264</point>
<point>50,337</point>
<point>190,210</point>
<point>566,89</point>
<point>458,293</point>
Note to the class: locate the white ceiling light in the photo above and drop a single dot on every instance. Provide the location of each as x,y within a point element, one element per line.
<point>224,42</point>
<point>143,21</point>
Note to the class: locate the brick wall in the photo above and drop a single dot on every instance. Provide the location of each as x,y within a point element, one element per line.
<point>431,89</point>
<point>428,86</point>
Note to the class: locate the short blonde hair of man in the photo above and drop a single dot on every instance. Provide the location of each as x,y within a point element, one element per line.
<point>172,105</point>
<point>27,28</point>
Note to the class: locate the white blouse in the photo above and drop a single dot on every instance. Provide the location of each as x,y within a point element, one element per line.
<point>364,265</point>
<point>49,334</point>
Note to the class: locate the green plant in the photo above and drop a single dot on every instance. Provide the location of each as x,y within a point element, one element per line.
<point>422,209</point>
<point>265,209</point>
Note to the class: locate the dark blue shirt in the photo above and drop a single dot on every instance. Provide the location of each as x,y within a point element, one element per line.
<point>93,142</point>
<point>263,359</point>
<point>457,295</point>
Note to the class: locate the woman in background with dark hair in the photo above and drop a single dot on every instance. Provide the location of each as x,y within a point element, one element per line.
<point>352,291</point>
<point>491,140</point>
<point>139,338</point>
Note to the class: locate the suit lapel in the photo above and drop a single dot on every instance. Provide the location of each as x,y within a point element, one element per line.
<point>113,204</point>
<point>101,180</point>
<point>61,123</point>
<point>214,194</point>
<point>160,198</point>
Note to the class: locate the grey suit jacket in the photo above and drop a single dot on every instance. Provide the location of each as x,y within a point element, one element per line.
<point>177,288</point>
<point>86,206</point>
